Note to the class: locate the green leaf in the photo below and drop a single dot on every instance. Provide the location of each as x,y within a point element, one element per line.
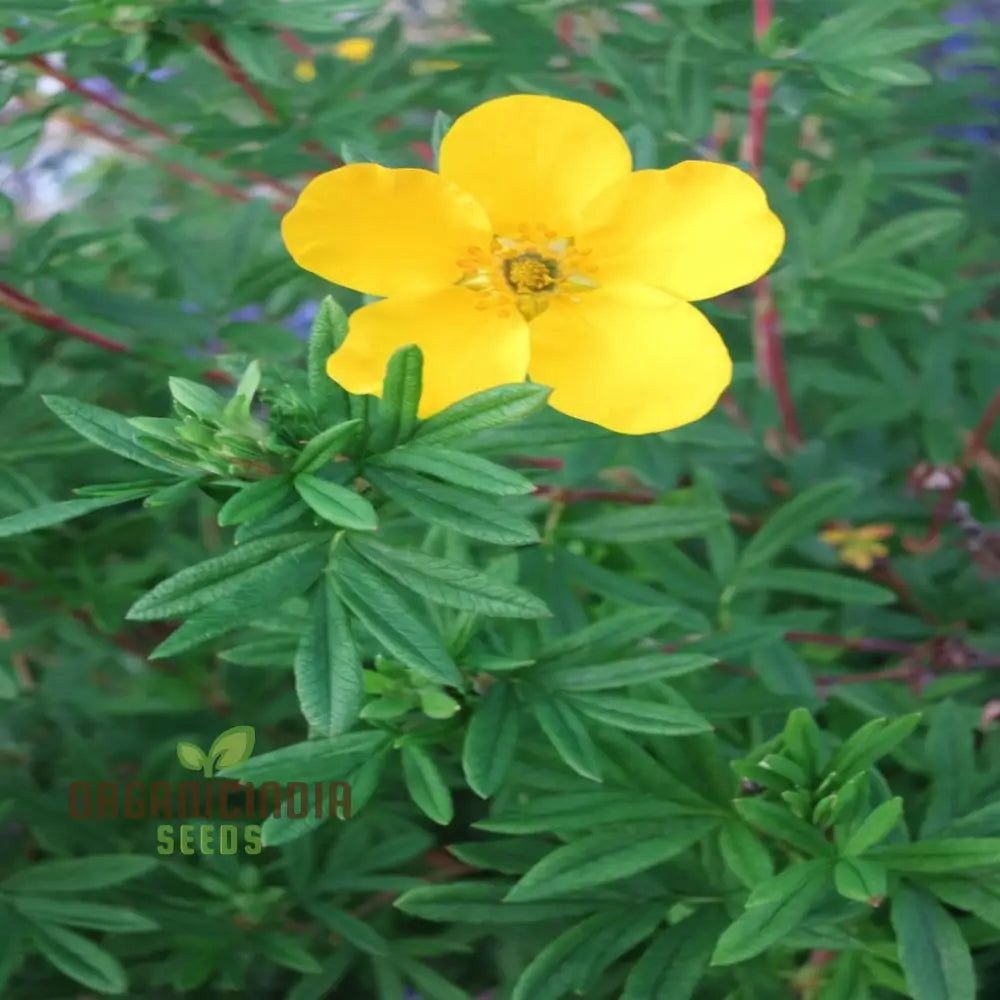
<point>190,755</point>
<point>894,281</point>
<point>318,451</point>
<point>396,418</point>
<point>260,592</point>
<point>939,856</point>
<point>83,913</point>
<point>605,857</point>
<point>200,585</point>
<point>776,907</point>
<point>456,467</point>
<point>619,673</point>
<point>328,332</point>
<point>108,430</point>
<point>584,811</point>
<point>797,519</point>
<point>744,854</point>
<point>312,760</point>
<point>572,962</point>
<point>818,583</point>
<point>835,37</point>
<point>905,233</point>
<point>860,879</point>
<point>894,72</point>
<point>803,741</point>
<point>56,513</point>
<point>97,871</point>
<point>876,826</point>
<point>491,740</point>
<point>495,407</point>
<point>676,959</point>
<point>454,507</point>
<point>255,501</point>
<point>646,524</point>
<point>401,631</point>
<point>80,959</point>
<point>452,584</point>
<point>608,636</point>
<point>425,784</point>
<point>483,903</point>
<point>871,742</point>
<point>354,931</point>
<point>336,504</point>
<point>200,400</point>
<point>329,674</point>
<point>233,746</point>
<point>566,732</point>
<point>640,715</point>
<point>950,756</point>
<point>932,951</point>
<point>778,822</point>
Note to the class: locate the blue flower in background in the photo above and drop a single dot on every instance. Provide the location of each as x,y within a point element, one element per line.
<point>101,86</point>
<point>300,322</point>
<point>247,314</point>
<point>969,15</point>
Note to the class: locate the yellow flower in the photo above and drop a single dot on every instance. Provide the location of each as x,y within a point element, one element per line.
<point>355,49</point>
<point>536,251</point>
<point>859,547</point>
<point>421,67</point>
<point>305,71</point>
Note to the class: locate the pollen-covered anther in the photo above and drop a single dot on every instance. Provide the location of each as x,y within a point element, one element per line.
<point>530,272</point>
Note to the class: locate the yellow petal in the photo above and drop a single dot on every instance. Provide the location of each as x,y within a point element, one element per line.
<point>875,531</point>
<point>382,231</point>
<point>836,536</point>
<point>531,159</point>
<point>630,358</point>
<point>355,49</point>
<point>695,230</point>
<point>465,349</point>
<point>304,71</point>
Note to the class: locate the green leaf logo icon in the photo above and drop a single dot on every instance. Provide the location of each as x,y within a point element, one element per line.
<point>190,756</point>
<point>229,749</point>
<point>233,746</point>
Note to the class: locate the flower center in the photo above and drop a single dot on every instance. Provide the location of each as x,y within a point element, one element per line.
<point>526,272</point>
<point>531,272</point>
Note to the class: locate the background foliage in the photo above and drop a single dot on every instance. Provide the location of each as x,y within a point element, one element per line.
<point>619,722</point>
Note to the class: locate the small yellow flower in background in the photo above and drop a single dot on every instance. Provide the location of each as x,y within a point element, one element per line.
<point>536,252</point>
<point>305,71</point>
<point>357,49</point>
<point>859,547</point>
<point>421,67</point>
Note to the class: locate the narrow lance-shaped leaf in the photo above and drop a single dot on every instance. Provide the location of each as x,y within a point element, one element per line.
<point>336,504</point>
<point>329,675</point>
<point>451,584</point>
<point>401,631</point>
<point>108,430</point>
<point>425,784</point>
<point>396,413</point>
<point>491,739</point>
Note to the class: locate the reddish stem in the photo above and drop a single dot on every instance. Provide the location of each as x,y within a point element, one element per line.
<point>80,89</point>
<point>220,188</point>
<point>579,496</point>
<point>766,318</point>
<point>216,50</point>
<point>27,308</point>
<point>865,645</point>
